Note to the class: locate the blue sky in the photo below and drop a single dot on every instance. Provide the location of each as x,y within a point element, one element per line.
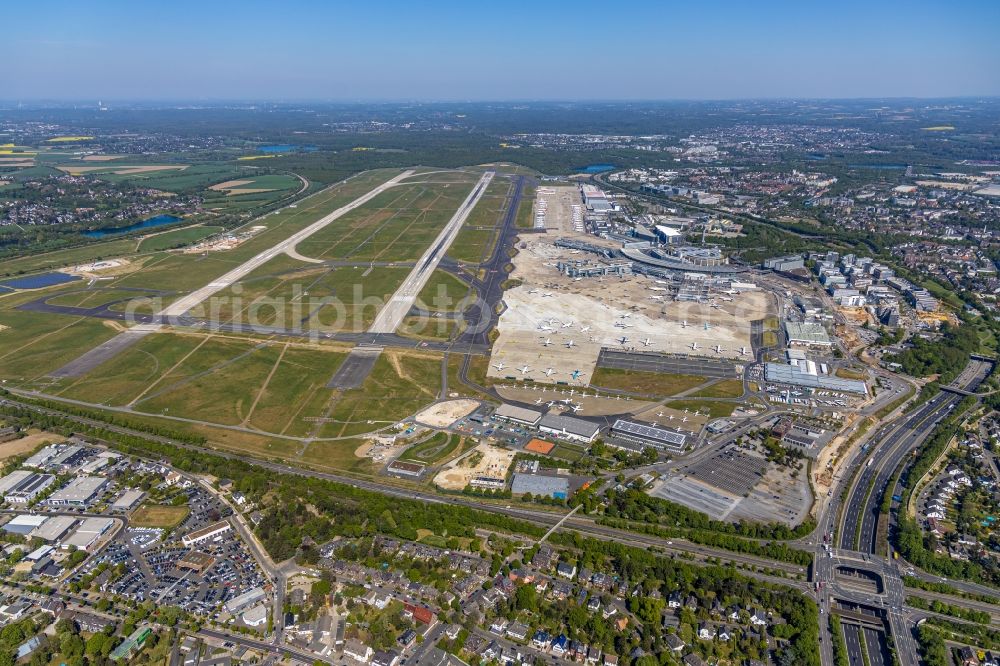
<point>347,51</point>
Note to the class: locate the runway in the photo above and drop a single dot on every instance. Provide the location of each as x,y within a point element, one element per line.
<point>174,313</point>
<point>182,305</point>
<point>392,313</point>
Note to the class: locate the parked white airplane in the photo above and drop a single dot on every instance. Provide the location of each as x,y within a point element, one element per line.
<point>626,315</point>
<point>576,408</point>
<point>524,370</point>
<point>716,306</point>
<point>718,349</point>
<point>622,340</point>
<point>546,342</point>
<point>744,351</point>
<point>656,298</point>
<point>684,420</point>
<point>660,414</point>
<point>532,291</point>
<point>646,342</point>
<point>546,294</point>
<point>684,324</point>
<point>539,401</point>
<point>707,326</point>
<point>545,327</point>
<point>585,329</point>
<point>568,401</point>
<point>567,324</point>
<point>570,344</point>
<point>549,372</point>
<point>499,366</point>
<point>694,346</point>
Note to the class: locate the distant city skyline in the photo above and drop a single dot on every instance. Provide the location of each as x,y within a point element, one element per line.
<point>452,51</point>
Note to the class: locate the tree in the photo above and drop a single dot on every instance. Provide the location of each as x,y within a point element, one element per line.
<point>526,598</point>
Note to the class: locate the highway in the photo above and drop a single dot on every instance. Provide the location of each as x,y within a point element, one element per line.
<point>886,457</point>
<point>392,313</point>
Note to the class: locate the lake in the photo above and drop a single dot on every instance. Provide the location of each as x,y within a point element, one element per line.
<point>597,168</point>
<point>38,281</point>
<point>155,221</point>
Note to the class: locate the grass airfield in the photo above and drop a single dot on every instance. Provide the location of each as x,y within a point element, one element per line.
<point>250,393</point>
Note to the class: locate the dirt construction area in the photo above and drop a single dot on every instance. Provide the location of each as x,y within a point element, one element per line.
<point>484,460</point>
<point>554,327</point>
<point>27,444</point>
<point>443,414</point>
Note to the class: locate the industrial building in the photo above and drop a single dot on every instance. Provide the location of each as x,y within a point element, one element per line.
<point>57,456</point>
<point>515,414</point>
<point>12,479</point>
<point>643,435</point>
<point>81,491</point>
<point>28,488</point>
<point>568,427</point>
<point>245,600</point>
<point>541,485</point>
<point>24,524</point>
<point>54,528</point>
<point>800,375</point>
<point>128,500</point>
<point>206,533</point>
<point>807,334</point>
<point>88,533</point>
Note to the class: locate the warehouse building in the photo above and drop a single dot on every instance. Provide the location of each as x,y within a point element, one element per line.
<point>568,427</point>
<point>43,456</point>
<point>643,435</point>
<point>89,532</point>
<point>245,600</point>
<point>12,479</point>
<point>80,492</point>
<point>24,524</point>
<point>807,334</point>
<point>797,375</point>
<point>129,500</point>
<point>515,414</point>
<point>54,528</point>
<point>206,533</point>
<point>29,488</point>
<point>540,485</point>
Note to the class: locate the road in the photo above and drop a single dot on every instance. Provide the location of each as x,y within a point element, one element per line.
<point>392,313</point>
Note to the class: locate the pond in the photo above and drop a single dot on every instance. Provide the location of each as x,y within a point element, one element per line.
<point>155,221</point>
